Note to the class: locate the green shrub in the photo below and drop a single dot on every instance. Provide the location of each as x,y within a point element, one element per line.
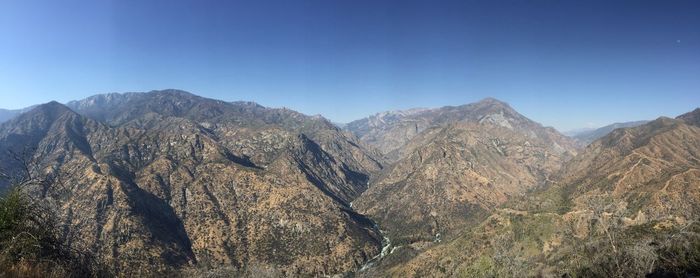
<point>30,245</point>
<point>484,266</point>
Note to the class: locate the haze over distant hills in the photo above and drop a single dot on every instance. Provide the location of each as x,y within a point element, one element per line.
<point>6,114</point>
<point>582,135</point>
<point>588,136</point>
<point>167,182</point>
<point>403,139</point>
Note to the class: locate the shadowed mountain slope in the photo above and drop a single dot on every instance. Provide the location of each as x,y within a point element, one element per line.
<point>164,180</point>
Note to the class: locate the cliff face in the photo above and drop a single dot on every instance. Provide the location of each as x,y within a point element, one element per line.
<point>168,180</point>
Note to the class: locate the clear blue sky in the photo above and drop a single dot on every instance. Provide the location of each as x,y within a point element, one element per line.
<point>567,64</point>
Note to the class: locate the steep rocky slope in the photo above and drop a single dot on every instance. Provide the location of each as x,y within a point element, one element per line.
<point>166,180</point>
<point>653,167</point>
<point>389,131</point>
<point>254,135</point>
<point>452,175</point>
<point>692,118</point>
<point>627,205</point>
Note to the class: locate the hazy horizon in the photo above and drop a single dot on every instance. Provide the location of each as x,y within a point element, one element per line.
<point>156,182</point>
<point>569,65</point>
<point>568,132</point>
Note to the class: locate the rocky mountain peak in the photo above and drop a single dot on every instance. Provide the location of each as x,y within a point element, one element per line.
<point>496,112</point>
<point>173,92</point>
<point>170,180</point>
<point>161,172</point>
<point>114,99</point>
<point>41,116</point>
<point>52,107</point>
<point>489,101</point>
<point>389,131</point>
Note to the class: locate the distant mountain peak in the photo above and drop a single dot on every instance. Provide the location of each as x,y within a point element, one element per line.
<point>491,100</point>
<point>172,91</point>
<point>388,131</point>
<point>492,103</point>
<point>52,108</point>
<point>247,103</point>
<point>491,108</point>
<point>405,112</point>
<point>7,114</point>
<point>27,129</point>
<point>587,137</point>
<point>112,98</point>
<point>53,103</point>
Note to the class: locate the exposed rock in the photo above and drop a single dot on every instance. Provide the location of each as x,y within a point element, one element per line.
<point>617,206</point>
<point>389,131</point>
<point>452,176</point>
<point>168,180</point>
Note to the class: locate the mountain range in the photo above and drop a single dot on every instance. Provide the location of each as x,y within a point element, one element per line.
<point>588,136</point>
<point>167,179</point>
<point>627,205</point>
<point>467,161</point>
<point>6,114</point>
<point>169,183</point>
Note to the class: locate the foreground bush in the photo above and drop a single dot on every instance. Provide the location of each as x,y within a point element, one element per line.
<point>30,245</point>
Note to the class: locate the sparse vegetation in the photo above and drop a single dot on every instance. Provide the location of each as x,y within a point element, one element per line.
<point>30,245</point>
<point>30,242</point>
<point>174,185</point>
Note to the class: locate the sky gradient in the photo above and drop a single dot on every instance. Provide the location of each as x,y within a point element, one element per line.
<point>567,64</point>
